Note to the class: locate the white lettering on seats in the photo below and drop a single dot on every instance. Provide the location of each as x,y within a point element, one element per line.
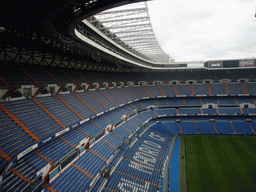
<point>152,144</point>
<point>156,137</point>
<point>149,150</point>
<point>129,186</point>
<point>140,167</point>
<point>145,159</point>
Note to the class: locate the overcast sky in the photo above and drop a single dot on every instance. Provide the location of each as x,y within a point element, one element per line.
<point>190,30</point>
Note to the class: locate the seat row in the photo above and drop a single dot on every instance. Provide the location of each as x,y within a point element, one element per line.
<point>43,125</point>
<point>16,74</point>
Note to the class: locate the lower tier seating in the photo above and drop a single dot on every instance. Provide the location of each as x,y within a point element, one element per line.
<point>54,151</point>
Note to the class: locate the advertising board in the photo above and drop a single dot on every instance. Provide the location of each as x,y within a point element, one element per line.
<point>247,63</point>
<point>215,64</point>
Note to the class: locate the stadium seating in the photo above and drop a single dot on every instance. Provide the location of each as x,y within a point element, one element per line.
<point>193,101</point>
<point>13,137</point>
<point>42,78</point>
<point>59,110</point>
<point>126,169</point>
<point>77,105</point>
<point>123,98</point>
<point>70,109</point>
<point>191,111</point>
<point>133,92</point>
<point>165,111</point>
<point>218,89</point>
<point>251,87</point>
<point>91,101</point>
<point>173,127</point>
<point>75,76</point>
<point>224,127</point>
<point>229,111</point>
<point>35,118</point>
<point>153,90</point>
<point>112,97</point>
<point>201,89</point>
<point>188,127</point>
<point>176,101</point>
<point>91,129</point>
<point>167,90</point>
<point>13,182</point>
<point>112,118</point>
<point>183,90</point>
<point>142,91</point>
<point>60,76</point>
<point>242,127</point>
<point>206,127</point>
<point>162,102</point>
<point>14,75</point>
<point>235,88</point>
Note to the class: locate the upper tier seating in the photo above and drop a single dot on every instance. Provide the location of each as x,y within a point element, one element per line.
<point>251,88</point>
<point>14,75</point>
<point>59,110</point>
<point>241,74</point>
<point>209,75</point>
<point>184,89</point>
<point>136,78</point>
<point>217,89</point>
<point>155,76</point>
<point>76,76</point>
<point>127,94</point>
<point>153,90</point>
<point>39,74</point>
<point>131,90</point>
<point>223,75</point>
<point>167,90</point>
<point>13,138</point>
<point>98,76</point>
<point>120,95</point>
<point>34,117</point>
<point>235,88</point>
<point>201,89</point>
<point>112,97</point>
<point>189,76</point>
<point>173,76</point>
<point>77,105</point>
<point>60,76</point>
<point>106,102</point>
<point>95,105</point>
<point>141,90</point>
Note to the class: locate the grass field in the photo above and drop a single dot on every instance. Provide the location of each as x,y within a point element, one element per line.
<point>219,163</point>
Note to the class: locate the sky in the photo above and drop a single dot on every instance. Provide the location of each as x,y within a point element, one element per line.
<point>195,30</point>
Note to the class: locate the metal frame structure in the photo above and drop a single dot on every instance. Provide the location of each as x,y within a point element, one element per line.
<point>50,58</point>
<point>131,28</point>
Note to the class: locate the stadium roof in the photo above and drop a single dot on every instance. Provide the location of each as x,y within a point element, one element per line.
<point>131,24</point>
<point>47,29</point>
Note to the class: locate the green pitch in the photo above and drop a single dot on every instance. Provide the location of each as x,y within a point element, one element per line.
<point>218,163</point>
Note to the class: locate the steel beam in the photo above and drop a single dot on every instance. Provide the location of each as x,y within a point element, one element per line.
<point>135,31</point>
<point>130,26</point>
<point>128,20</point>
<point>120,13</point>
